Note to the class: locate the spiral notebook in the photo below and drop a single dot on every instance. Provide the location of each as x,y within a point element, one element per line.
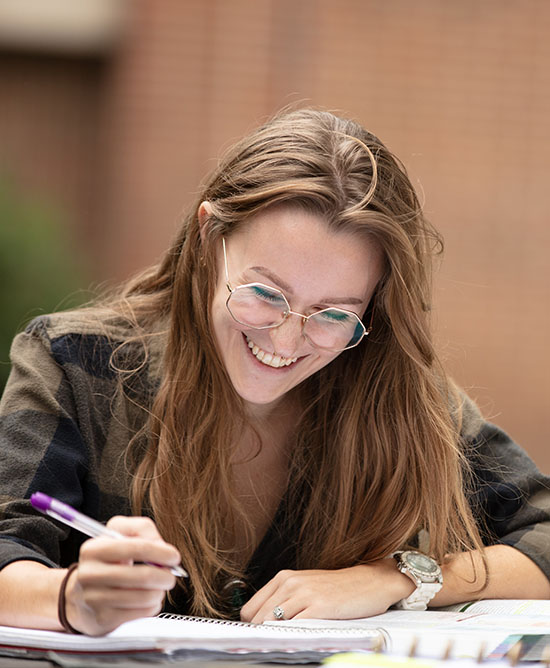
<point>179,635</point>
<point>487,630</point>
<point>483,631</point>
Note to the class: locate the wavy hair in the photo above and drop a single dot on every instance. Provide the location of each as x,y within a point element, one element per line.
<point>377,455</point>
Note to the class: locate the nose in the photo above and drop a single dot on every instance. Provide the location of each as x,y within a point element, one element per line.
<point>287,337</point>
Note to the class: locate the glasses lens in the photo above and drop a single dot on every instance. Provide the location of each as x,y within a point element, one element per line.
<point>334,329</point>
<point>257,305</point>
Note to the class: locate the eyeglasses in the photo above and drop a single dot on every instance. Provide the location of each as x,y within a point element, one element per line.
<point>260,306</point>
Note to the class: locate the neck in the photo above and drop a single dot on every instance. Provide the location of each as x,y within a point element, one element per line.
<point>284,411</point>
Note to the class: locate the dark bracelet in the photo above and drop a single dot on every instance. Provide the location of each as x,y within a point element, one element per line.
<point>61,602</point>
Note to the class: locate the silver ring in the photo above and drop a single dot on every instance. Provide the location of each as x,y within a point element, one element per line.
<point>278,612</point>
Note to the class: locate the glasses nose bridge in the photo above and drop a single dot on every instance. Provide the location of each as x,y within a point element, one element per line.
<point>288,312</point>
<point>286,335</point>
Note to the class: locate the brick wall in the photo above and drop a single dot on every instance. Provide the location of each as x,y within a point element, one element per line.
<point>459,90</point>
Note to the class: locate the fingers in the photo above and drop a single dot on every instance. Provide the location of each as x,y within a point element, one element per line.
<point>134,549</point>
<point>358,591</point>
<point>290,607</point>
<point>95,573</point>
<point>120,598</point>
<point>276,593</point>
<point>135,526</point>
<point>118,579</point>
<point>95,606</point>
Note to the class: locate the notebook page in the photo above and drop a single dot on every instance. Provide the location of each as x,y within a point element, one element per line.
<point>171,633</point>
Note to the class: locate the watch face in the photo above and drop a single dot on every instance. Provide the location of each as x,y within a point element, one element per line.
<point>421,562</point>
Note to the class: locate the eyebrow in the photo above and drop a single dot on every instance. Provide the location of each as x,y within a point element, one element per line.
<point>264,271</point>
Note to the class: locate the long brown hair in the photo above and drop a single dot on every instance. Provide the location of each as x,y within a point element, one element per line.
<point>377,455</point>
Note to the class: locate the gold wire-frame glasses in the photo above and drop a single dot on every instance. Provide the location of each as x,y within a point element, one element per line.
<point>252,305</point>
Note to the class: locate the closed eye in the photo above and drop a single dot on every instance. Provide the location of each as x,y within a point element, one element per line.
<point>266,295</point>
<point>334,315</point>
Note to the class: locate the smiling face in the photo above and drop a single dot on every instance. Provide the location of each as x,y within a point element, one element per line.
<point>316,268</point>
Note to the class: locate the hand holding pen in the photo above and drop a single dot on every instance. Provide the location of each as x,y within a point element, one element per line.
<point>122,575</point>
<point>73,518</point>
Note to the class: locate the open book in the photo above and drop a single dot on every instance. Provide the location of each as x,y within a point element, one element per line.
<point>482,630</point>
<point>478,630</point>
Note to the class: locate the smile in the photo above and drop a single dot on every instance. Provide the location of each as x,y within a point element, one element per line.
<point>275,361</point>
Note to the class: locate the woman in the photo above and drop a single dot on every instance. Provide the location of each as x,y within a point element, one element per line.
<point>269,400</point>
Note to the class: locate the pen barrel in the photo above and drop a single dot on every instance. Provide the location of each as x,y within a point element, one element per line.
<point>93,528</point>
<point>79,521</point>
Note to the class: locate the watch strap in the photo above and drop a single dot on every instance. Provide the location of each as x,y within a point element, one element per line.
<point>420,597</point>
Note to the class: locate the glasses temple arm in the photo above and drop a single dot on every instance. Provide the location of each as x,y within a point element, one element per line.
<point>227,283</point>
<point>368,330</point>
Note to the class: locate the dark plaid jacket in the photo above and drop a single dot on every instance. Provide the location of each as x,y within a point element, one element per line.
<point>64,428</point>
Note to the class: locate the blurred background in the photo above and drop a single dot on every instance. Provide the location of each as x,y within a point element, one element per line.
<point>112,111</point>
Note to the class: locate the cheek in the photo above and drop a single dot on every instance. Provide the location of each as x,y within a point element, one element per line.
<point>323,359</point>
<point>329,357</point>
<point>223,325</point>
<point>219,319</point>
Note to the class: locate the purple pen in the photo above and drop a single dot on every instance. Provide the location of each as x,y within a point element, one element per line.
<point>71,517</point>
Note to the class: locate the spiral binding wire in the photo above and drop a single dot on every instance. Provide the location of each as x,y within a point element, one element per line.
<point>379,637</point>
<point>376,634</point>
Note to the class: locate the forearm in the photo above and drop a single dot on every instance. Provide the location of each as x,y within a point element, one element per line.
<point>28,595</point>
<point>511,574</point>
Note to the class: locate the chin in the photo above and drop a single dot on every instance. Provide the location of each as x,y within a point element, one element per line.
<point>255,398</point>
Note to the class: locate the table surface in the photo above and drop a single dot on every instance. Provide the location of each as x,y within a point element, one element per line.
<point>98,662</point>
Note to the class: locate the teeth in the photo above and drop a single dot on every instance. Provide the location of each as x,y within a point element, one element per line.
<point>276,361</point>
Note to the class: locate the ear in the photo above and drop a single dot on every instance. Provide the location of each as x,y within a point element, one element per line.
<point>204,214</point>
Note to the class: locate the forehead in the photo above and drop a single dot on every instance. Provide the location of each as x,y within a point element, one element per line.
<point>302,250</point>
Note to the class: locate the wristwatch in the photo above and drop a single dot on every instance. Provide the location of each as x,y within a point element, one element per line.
<point>426,575</point>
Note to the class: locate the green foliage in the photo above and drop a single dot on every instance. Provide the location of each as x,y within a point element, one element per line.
<point>39,270</point>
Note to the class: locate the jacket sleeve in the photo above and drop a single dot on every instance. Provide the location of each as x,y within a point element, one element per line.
<point>57,436</point>
<point>510,497</point>
<point>40,449</point>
